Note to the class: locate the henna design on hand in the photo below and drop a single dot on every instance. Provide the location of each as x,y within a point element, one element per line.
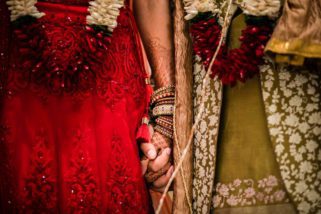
<point>161,61</point>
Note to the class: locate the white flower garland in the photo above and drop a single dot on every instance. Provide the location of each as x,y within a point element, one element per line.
<point>101,12</point>
<point>193,7</point>
<point>104,12</point>
<point>268,8</point>
<point>19,8</point>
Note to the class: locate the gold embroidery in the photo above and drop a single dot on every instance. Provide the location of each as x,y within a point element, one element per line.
<point>249,192</point>
<point>205,139</point>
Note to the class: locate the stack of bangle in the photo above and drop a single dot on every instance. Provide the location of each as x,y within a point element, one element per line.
<point>162,103</point>
<point>165,121</point>
<point>166,101</point>
<point>164,131</point>
<point>163,93</point>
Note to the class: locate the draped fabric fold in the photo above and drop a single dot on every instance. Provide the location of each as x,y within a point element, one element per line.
<point>183,112</point>
<point>4,50</point>
<point>292,100</point>
<point>298,34</point>
<point>4,39</point>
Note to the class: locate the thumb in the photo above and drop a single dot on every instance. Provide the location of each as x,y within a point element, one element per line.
<point>148,150</point>
<point>144,164</point>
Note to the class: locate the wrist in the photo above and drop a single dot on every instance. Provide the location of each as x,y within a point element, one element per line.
<point>163,79</point>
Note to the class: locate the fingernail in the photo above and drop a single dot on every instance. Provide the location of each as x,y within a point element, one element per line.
<point>168,151</point>
<point>151,154</point>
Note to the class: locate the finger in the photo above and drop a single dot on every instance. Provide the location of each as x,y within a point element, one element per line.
<point>163,180</point>
<point>162,189</point>
<point>160,141</point>
<point>153,176</point>
<point>148,150</point>
<point>144,164</point>
<point>160,161</point>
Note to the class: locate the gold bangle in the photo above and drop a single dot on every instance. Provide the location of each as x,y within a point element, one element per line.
<point>165,88</point>
<point>164,131</point>
<point>164,102</point>
<point>161,96</point>
<point>167,119</point>
<point>163,110</point>
<point>164,123</point>
<point>163,92</point>
<point>165,99</point>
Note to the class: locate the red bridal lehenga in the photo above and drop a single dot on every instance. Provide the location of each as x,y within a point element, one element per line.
<point>72,100</point>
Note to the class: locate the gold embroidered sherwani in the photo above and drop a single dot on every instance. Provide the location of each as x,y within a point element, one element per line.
<point>257,148</point>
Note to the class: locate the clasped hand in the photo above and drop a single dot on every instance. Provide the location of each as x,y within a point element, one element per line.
<point>156,160</point>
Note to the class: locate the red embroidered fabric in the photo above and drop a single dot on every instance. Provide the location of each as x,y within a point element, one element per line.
<point>68,144</point>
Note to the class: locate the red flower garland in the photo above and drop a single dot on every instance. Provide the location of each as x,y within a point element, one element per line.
<point>237,64</point>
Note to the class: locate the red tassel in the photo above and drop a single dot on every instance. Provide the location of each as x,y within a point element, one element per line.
<point>143,134</point>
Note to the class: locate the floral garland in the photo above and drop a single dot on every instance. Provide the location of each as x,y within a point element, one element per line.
<point>237,64</point>
<point>101,12</point>
<point>63,53</point>
<point>269,8</point>
<point>104,13</point>
<point>20,8</point>
<point>194,7</point>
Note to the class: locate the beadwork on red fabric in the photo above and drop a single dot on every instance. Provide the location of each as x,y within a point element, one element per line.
<point>61,52</point>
